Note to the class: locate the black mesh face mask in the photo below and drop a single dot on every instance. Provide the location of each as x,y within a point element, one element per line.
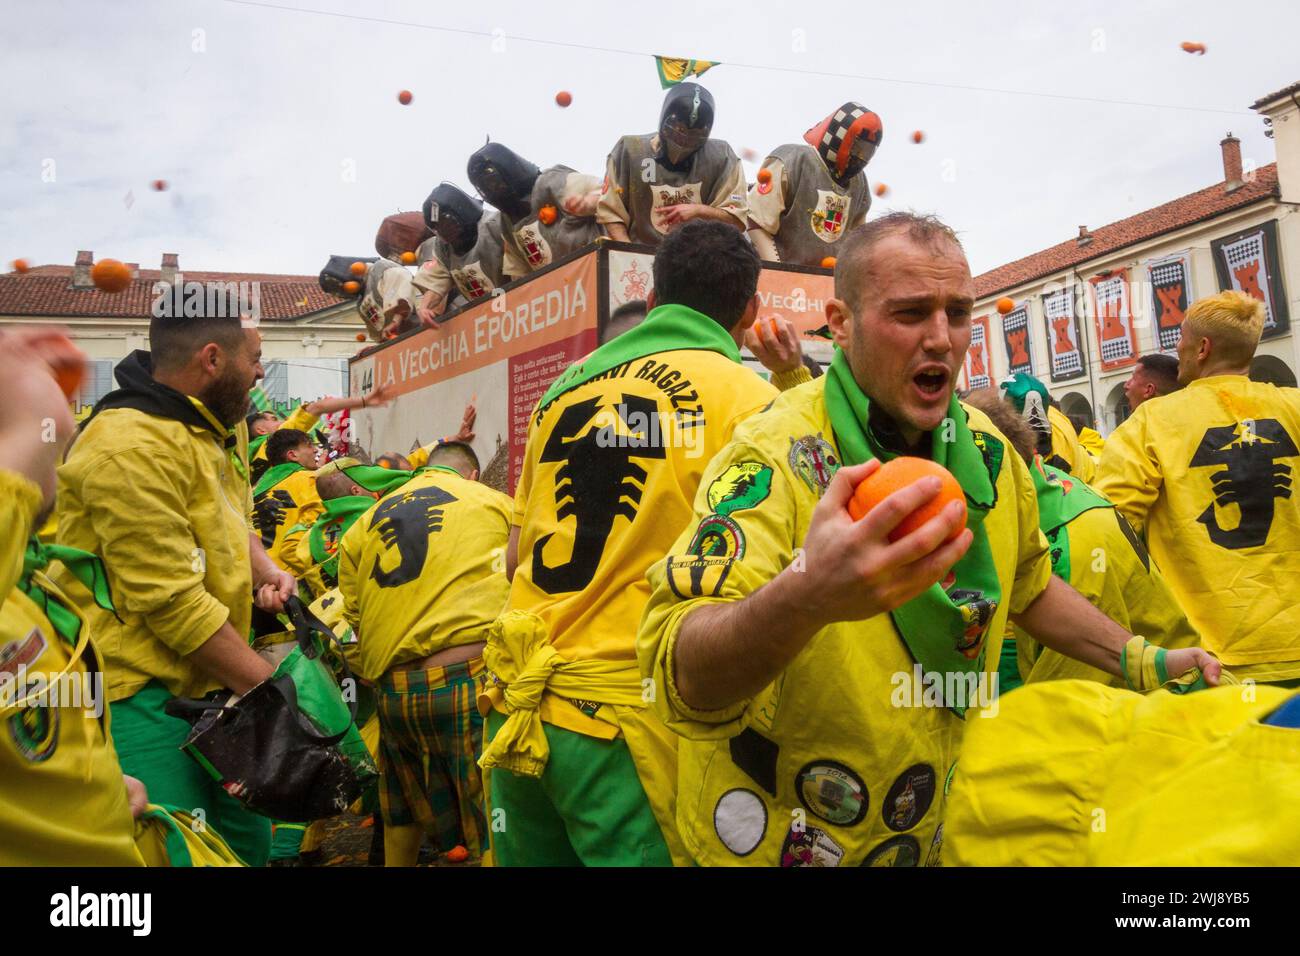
<point>504,179</point>
<point>685,122</point>
<point>453,215</point>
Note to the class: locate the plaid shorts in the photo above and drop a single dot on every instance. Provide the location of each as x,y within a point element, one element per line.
<point>430,739</point>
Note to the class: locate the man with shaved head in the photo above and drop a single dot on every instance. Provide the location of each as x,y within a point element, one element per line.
<point>818,664</point>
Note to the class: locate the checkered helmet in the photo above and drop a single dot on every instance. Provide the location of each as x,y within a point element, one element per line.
<point>847,139</point>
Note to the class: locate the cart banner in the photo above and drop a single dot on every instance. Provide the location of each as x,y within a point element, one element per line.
<point>1248,262</point>
<point>976,366</point>
<point>1015,337</point>
<point>1113,316</point>
<point>1064,341</point>
<point>500,354</point>
<point>1170,281</point>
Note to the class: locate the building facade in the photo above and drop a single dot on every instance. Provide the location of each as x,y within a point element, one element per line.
<point>1083,311</point>
<point>307,335</point>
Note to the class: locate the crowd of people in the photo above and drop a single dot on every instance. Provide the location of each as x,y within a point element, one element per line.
<point>675,645</point>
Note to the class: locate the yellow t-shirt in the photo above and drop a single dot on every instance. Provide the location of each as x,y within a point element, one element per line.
<point>165,506</point>
<point>424,570</point>
<point>283,512</point>
<point>62,797</point>
<point>1110,566</point>
<point>1207,473</point>
<point>609,473</point>
<point>835,762</point>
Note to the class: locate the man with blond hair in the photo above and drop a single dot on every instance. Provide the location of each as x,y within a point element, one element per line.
<point>1207,473</point>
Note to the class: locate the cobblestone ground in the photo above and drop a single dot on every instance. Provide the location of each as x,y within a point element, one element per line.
<point>347,843</point>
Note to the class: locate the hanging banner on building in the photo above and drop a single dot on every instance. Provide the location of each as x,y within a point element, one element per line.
<point>1113,314</point>
<point>1170,279</point>
<point>1015,336</point>
<point>1247,262</point>
<point>1064,343</point>
<point>976,366</point>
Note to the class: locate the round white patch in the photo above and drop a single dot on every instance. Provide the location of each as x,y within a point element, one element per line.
<point>740,820</point>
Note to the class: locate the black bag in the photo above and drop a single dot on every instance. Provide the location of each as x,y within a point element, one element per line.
<point>338,271</point>
<point>266,752</point>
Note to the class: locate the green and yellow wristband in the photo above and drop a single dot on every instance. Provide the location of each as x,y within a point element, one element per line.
<point>1143,664</point>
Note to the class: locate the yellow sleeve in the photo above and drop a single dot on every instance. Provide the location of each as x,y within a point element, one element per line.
<point>525,479</point>
<point>349,553</point>
<point>784,381</point>
<point>293,549</point>
<point>20,502</point>
<point>301,419</point>
<point>611,207</point>
<point>1129,473</point>
<point>1033,562</point>
<point>766,209</point>
<point>762,544</point>
<point>730,193</point>
<point>137,511</point>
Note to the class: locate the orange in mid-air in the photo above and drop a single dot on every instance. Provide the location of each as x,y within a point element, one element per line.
<point>408,258</point>
<point>764,175</point>
<point>1005,305</point>
<point>918,136</point>
<point>828,262</point>
<point>547,215</point>
<point>159,185</point>
<point>352,287</point>
<point>563,98</point>
<point>881,189</point>
<point>109,275</point>
<point>21,266</point>
<point>899,473</point>
<point>1191,46</point>
<point>404,97</point>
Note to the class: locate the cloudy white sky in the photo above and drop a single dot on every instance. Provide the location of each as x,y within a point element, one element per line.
<point>251,112</point>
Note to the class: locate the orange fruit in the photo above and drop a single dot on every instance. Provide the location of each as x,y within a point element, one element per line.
<point>881,189</point>
<point>764,175</point>
<point>563,98</point>
<point>828,262</point>
<point>404,97</point>
<point>361,336</point>
<point>457,854</point>
<point>351,287</point>
<point>408,258</point>
<point>918,136</point>
<point>547,215</point>
<point>109,275</point>
<point>1190,46</point>
<point>899,473</point>
<point>1006,304</point>
<point>67,362</point>
<point>20,266</point>
<point>159,185</point>
<point>358,268</point>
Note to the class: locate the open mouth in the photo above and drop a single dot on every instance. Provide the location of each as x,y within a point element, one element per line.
<point>931,382</point>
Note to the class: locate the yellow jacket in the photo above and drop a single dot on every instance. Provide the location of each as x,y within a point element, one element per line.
<point>283,512</point>
<point>1207,472</point>
<point>1092,442</point>
<point>62,796</point>
<point>1109,566</point>
<point>164,504</point>
<point>1066,446</point>
<point>1073,773</point>
<point>424,569</point>
<point>839,744</point>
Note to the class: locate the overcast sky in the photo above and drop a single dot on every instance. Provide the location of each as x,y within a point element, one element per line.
<point>250,113</point>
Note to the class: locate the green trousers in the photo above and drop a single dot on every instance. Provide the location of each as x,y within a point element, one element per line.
<point>148,746</point>
<point>586,809</point>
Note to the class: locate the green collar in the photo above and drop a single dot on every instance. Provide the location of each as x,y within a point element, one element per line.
<point>274,475</point>
<point>84,566</point>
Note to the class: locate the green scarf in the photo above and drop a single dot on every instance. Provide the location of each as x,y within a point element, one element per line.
<point>934,627</point>
<point>274,475</point>
<point>84,566</point>
<point>1061,499</point>
<point>255,443</point>
<point>338,517</point>
<point>666,328</point>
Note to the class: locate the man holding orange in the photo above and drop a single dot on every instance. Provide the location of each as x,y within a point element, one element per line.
<point>784,640</point>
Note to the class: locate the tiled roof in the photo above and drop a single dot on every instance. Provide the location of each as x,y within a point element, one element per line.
<point>47,290</point>
<point>1192,208</point>
<point>1263,100</point>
